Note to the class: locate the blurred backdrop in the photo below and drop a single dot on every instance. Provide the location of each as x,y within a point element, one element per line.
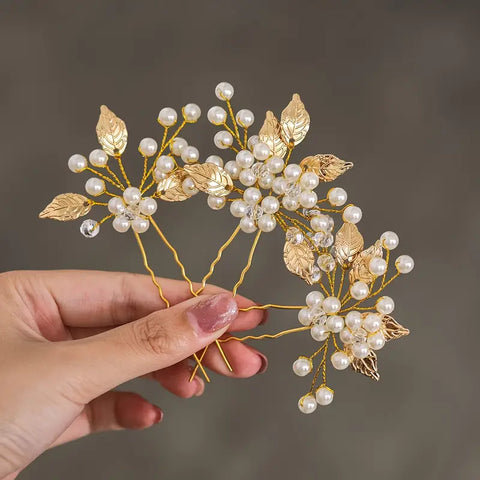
<point>392,86</point>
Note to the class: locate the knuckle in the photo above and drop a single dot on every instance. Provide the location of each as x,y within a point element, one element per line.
<point>152,336</point>
<point>124,305</point>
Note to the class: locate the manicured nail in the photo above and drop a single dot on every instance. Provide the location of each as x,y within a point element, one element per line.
<point>158,414</point>
<point>213,313</point>
<point>200,387</point>
<point>264,365</point>
<point>266,314</point>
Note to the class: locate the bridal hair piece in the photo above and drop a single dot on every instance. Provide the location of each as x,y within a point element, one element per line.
<point>269,193</point>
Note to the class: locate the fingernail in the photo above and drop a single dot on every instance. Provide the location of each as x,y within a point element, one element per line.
<point>266,314</point>
<point>213,313</point>
<point>200,386</point>
<point>158,414</point>
<point>264,365</point>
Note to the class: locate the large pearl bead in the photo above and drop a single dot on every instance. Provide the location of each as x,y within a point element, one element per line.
<point>352,214</point>
<point>372,322</point>
<point>217,115</point>
<point>270,204</point>
<point>148,206</point>
<point>385,305</point>
<point>337,196</point>
<point>359,290</point>
<point>275,164</point>
<point>188,186</point>
<point>292,172</point>
<point>216,203</point>
<point>307,404</point>
<point>261,151</point>
<point>320,223</point>
<point>191,112</point>
<point>305,316</point>
<point>140,224</point>
<point>377,266</point>
<point>167,117</point>
<point>360,350</point>
<point>223,139</point>
<point>232,169</point>
<point>353,320</point>
<point>279,186</point>
<point>340,360</point>
<point>148,147</point>
<point>404,264</point>
<point>215,159</point>
<point>266,223</point>
<point>376,341</point>
<point>132,195</point>
<point>165,163</point>
<point>190,154</point>
<point>247,225</point>
<point>116,206</point>
<point>245,159</point>
<point>331,305</point>
<point>98,158</point>
<point>252,195</point>
<point>121,224</point>
<point>266,181</point>
<point>77,163</point>
<point>95,186</point>
<point>335,323</point>
<point>314,299</point>
<point>324,395</point>
<point>308,199</point>
<point>290,203</point>
<point>319,332</point>
<point>302,366</point>
<point>247,177</point>
<point>238,208</point>
<point>224,91</point>
<point>389,240</point>
<point>346,336</point>
<point>309,180</point>
<point>252,141</point>
<point>245,118</point>
<point>178,145</point>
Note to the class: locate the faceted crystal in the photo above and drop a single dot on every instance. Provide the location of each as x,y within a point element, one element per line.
<point>359,335</point>
<point>293,190</point>
<point>316,238</point>
<point>327,241</point>
<point>294,235</point>
<point>315,274</point>
<point>260,170</point>
<point>311,212</point>
<point>89,228</point>
<point>254,212</point>
<point>326,262</point>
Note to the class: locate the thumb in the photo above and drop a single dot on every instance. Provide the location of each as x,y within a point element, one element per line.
<point>156,341</point>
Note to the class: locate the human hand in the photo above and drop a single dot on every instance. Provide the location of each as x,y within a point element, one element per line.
<point>69,337</point>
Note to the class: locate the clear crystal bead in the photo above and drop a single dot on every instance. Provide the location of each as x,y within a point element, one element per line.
<point>260,170</point>
<point>326,262</point>
<point>311,213</point>
<point>319,316</point>
<point>89,228</point>
<point>132,211</point>
<point>293,190</point>
<point>254,212</point>
<point>294,235</point>
<point>316,238</point>
<point>315,274</point>
<point>359,335</point>
<point>327,241</point>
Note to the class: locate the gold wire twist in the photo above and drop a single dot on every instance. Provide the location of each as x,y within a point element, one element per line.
<point>122,169</point>
<point>114,175</point>
<point>266,335</point>
<point>271,305</point>
<point>103,177</point>
<point>249,263</point>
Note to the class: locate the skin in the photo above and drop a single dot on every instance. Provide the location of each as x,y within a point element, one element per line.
<point>68,338</point>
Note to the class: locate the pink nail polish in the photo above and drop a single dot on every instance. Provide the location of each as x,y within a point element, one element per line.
<point>213,313</point>
<point>264,365</point>
<point>158,414</point>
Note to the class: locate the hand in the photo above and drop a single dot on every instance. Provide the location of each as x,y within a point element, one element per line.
<point>69,337</point>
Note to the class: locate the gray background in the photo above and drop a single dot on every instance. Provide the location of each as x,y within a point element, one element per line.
<point>392,86</point>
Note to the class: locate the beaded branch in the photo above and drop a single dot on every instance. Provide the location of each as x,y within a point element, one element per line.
<point>264,189</point>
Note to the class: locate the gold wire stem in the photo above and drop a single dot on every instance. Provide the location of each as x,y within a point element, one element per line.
<point>232,117</point>
<point>147,266</point>
<point>114,175</point>
<point>290,150</point>
<point>271,305</point>
<point>324,288</point>
<point>245,137</point>
<point>199,365</point>
<point>262,337</point>
<point>334,273</point>
<point>122,169</point>
<point>110,194</point>
<point>237,138</point>
<point>346,298</point>
<point>331,210</point>
<point>222,353</point>
<point>149,186</point>
<point>145,165</point>
<point>217,259</point>
<point>164,138</point>
<point>103,177</point>
<point>231,147</point>
<point>104,219</point>
<point>103,204</point>
<point>318,351</point>
<point>249,263</point>
<point>337,348</point>
<point>321,366</point>
<point>340,288</point>
<point>324,363</point>
<point>387,260</point>
<point>384,285</point>
<point>322,200</point>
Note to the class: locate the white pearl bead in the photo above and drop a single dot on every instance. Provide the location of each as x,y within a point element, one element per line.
<point>389,240</point>
<point>290,203</point>
<point>302,366</point>
<point>404,264</point>
<point>224,91</point>
<point>116,206</point>
<point>279,186</point>
<point>340,360</point>
<point>308,199</point>
<point>89,228</point>
<point>266,223</point>
<point>245,118</point>
<point>261,151</point>
<point>98,158</point>
<point>292,172</point>
<point>188,186</point>
<point>178,145</point>
<point>252,141</point>
<point>217,115</point>
<point>337,196</point>
<point>95,186</point>
<point>215,159</point>
<point>324,396</point>
<point>305,316</point>
<point>190,154</point>
<point>247,177</point>
<point>372,322</point>
<point>352,214</point>
<point>158,175</point>
<point>307,404</point>
<point>167,117</point>
<point>148,147</point>
<point>223,139</point>
<point>77,163</point>
<point>319,332</point>
<point>165,163</point>
<point>353,320</point>
<point>376,341</point>
<point>320,223</point>
<point>309,180</point>
<point>377,266</point>
<point>247,225</point>
<point>232,169</point>
<point>121,224</point>
<point>360,350</point>
<point>216,203</point>
<point>359,290</point>
<point>275,164</point>
<point>148,206</point>
<point>331,305</point>
<point>346,336</point>
<point>335,323</point>
<point>314,299</point>
<point>385,305</point>
<point>132,195</point>
<point>140,224</point>
<point>266,181</point>
<point>252,195</point>
<point>244,159</point>
<point>191,112</point>
<point>238,208</point>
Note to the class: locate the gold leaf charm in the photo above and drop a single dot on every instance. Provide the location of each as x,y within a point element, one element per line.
<point>210,178</point>
<point>392,330</point>
<point>367,366</point>
<point>348,243</point>
<point>295,121</point>
<point>111,132</point>
<point>271,134</point>
<point>299,259</point>
<point>360,270</point>
<point>327,166</point>
<point>170,188</point>
<point>67,206</point>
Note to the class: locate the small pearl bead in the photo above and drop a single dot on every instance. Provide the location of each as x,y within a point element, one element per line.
<point>324,396</point>
<point>165,164</point>
<point>188,186</point>
<point>95,186</point>
<point>140,224</point>
<point>266,223</point>
<point>245,118</point>
<point>232,169</point>
<point>252,195</point>
<point>98,158</point>
<point>238,208</point>
<point>302,366</point>
<point>279,186</point>
<point>224,91</point>
<point>148,206</point>
<point>340,360</point>
<point>353,320</point>
<point>116,206</point>
<point>266,181</point>
<point>359,290</point>
<point>275,164</point>
<point>247,225</point>
<point>132,195</point>
<point>148,147</point>
<point>335,323</point>
<point>270,204</point>
<point>404,264</point>
<point>292,172</point>
<point>121,224</point>
<point>191,112</point>
<point>352,214</point>
<point>217,115</point>
<point>290,203</point>
<point>377,266</point>
<point>261,151</point>
<point>385,305</point>
<point>178,145</point>
<point>223,139</point>
<point>167,117</point>
<point>77,163</point>
<point>372,322</point>
<point>158,175</point>
<point>215,159</point>
<point>216,203</point>
<point>190,154</point>
<point>245,159</point>
<point>337,196</point>
<point>360,350</point>
<point>389,240</point>
<point>89,228</point>
<point>308,199</point>
<point>331,305</point>
<point>305,316</point>
<point>307,404</point>
<point>247,177</point>
<point>346,336</point>
<point>309,180</point>
<point>320,223</point>
<point>252,141</point>
<point>376,341</point>
<point>319,332</point>
<point>314,299</point>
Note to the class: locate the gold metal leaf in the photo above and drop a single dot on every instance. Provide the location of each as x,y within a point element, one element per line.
<point>67,206</point>
<point>111,132</point>
<point>366,366</point>
<point>392,330</point>
<point>299,260</point>
<point>295,121</point>
<point>271,134</point>
<point>327,166</point>
<point>170,188</point>
<point>360,270</point>
<point>210,178</point>
<point>348,243</point>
